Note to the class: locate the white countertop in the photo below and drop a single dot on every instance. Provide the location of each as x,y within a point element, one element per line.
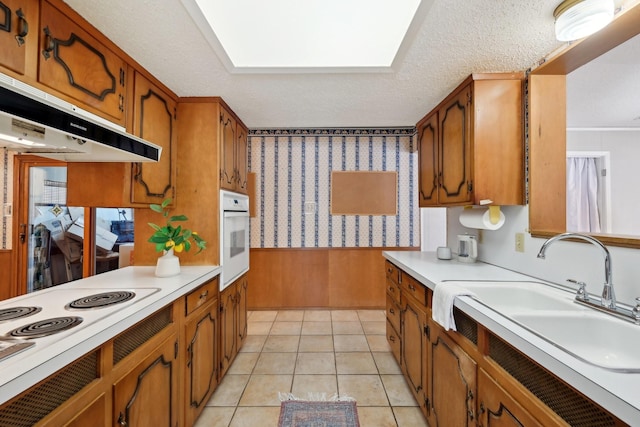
<point>617,392</point>
<point>23,370</point>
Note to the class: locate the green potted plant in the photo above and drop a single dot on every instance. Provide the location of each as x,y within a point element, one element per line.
<point>169,238</point>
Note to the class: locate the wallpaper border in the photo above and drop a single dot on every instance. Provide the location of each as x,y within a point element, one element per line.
<point>401,131</point>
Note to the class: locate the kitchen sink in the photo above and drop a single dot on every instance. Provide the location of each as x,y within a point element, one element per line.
<point>593,337</point>
<point>519,297</point>
<point>551,313</point>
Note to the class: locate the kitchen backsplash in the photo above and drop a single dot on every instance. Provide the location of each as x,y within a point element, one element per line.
<point>293,169</point>
<point>6,197</point>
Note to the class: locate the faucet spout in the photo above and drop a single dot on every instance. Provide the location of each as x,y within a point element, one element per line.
<point>608,294</point>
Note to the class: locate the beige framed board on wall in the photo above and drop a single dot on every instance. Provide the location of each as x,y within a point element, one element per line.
<point>364,193</point>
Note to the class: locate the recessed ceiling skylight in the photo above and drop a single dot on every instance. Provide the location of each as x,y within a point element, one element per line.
<point>298,35</point>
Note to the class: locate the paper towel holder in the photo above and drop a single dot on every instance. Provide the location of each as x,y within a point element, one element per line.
<point>494,211</point>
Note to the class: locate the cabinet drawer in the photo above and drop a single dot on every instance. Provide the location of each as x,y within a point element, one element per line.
<point>394,341</point>
<point>201,295</point>
<point>417,290</point>
<point>393,273</point>
<point>393,290</point>
<point>393,313</point>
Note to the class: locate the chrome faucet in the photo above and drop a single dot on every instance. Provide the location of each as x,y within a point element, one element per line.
<point>608,295</point>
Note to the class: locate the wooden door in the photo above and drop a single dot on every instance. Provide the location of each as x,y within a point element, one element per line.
<point>147,395</point>
<point>428,161</point>
<point>496,408</point>
<point>451,383</point>
<point>154,120</point>
<point>18,35</point>
<point>227,327</point>
<point>74,63</point>
<point>227,150</point>
<point>201,373</point>
<point>455,149</point>
<point>414,347</point>
<point>241,159</point>
<point>241,312</point>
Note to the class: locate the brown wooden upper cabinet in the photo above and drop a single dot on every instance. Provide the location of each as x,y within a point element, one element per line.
<point>154,119</point>
<point>233,153</point>
<point>74,63</point>
<point>471,146</point>
<point>18,36</point>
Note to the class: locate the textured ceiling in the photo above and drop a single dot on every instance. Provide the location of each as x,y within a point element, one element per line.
<point>457,37</point>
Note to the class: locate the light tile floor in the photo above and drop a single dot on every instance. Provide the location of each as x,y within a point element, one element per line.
<point>313,351</point>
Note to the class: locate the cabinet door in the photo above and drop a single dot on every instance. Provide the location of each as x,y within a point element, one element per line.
<point>241,311</point>
<point>147,395</point>
<point>414,347</point>
<point>74,63</point>
<point>202,360</point>
<point>452,383</point>
<point>496,408</point>
<point>18,41</point>
<point>428,158</point>
<point>227,327</point>
<point>228,132</point>
<point>154,121</point>
<point>455,149</point>
<point>241,159</point>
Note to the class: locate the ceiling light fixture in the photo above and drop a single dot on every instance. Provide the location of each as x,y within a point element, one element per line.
<point>576,19</point>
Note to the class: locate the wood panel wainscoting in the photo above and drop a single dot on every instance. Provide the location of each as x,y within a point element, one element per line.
<point>288,278</point>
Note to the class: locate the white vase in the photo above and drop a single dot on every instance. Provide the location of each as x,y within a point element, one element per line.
<point>168,265</point>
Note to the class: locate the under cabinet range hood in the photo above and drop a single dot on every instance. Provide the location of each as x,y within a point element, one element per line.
<point>32,121</point>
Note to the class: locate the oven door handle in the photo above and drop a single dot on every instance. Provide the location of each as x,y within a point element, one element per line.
<point>235,214</point>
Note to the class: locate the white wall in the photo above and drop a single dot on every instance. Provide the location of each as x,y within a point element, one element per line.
<point>564,260</point>
<point>624,148</point>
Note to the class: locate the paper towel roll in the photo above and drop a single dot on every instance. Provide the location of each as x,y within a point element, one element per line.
<point>480,218</point>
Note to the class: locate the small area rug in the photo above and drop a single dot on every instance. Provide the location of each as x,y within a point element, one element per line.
<point>300,413</point>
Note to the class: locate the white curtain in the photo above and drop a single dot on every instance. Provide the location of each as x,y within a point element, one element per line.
<point>582,195</point>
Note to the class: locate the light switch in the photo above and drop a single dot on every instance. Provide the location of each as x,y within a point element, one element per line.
<point>309,208</point>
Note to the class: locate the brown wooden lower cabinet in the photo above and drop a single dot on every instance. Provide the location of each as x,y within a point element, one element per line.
<point>233,321</point>
<point>201,353</point>
<point>496,408</point>
<point>148,394</point>
<point>451,382</point>
<point>471,377</point>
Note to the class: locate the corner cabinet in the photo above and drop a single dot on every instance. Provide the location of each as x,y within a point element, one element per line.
<point>18,36</point>
<point>79,66</point>
<point>471,146</point>
<point>233,153</point>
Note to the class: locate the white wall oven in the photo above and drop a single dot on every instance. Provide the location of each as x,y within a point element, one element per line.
<point>234,232</point>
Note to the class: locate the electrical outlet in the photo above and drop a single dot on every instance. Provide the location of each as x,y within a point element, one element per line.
<point>309,208</point>
<point>479,238</point>
<point>519,242</point>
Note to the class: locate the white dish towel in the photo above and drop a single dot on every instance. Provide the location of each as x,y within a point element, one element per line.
<point>442,306</point>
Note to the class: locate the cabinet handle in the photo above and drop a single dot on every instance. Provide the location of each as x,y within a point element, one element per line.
<point>121,102</point>
<point>122,420</point>
<point>392,289</point>
<point>23,27</point>
<point>392,311</point>
<point>392,338</point>
<point>204,294</point>
<point>49,43</point>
